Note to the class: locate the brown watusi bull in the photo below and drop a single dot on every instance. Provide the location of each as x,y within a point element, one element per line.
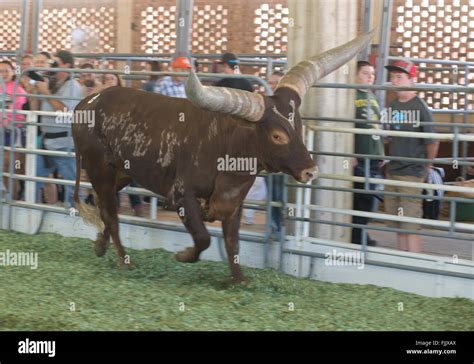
<point>177,148</point>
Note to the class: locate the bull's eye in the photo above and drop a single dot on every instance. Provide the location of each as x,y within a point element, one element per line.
<point>279,137</point>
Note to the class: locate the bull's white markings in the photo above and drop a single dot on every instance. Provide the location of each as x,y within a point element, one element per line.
<point>167,143</point>
<point>93,99</point>
<point>176,189</point>
<point>212,129</point>
<point>132,134</point>
<point>291,116</point>
<point>237,164</point>
<point>335,258</point>
<point>22,259</point>
<point>28,346</point>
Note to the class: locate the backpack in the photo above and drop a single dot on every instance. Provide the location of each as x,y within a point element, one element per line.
<point>431,207</point>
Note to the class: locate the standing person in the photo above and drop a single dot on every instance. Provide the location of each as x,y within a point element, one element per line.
<point>229,64</point>
<point>88,81</point>
<point>367,108</point>
<point>15,132</point>
<point>47,192</point>
<point>174,85</point>
<point>274,79</point>
<point>56,138</point>
<point>43,59</point>
<point>404,114</point>
<point>152,66</point>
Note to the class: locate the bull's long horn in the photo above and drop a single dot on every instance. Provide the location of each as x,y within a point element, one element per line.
<point>304,74</point>
<point>247,105</point>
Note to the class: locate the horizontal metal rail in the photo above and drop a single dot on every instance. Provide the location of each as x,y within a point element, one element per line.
<point>308,119</point>
<point>430,60</point>
<point>390,87</point>
<point>383,264</point>
<point>401,134</point>
<point>379,216</point>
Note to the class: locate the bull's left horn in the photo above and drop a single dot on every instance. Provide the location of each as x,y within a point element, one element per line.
<point>304,74</point>
<point>245,104</point>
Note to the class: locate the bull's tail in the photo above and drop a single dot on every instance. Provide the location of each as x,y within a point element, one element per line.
<point>90,214</point>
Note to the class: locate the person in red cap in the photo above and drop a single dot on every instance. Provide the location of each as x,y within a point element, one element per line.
<point>174,85</point>
<point>406,113</point>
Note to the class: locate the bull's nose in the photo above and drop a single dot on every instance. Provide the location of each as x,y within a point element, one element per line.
<point>308,174</point>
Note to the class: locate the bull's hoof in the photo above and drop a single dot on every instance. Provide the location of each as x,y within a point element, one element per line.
<point>101,247</point>
<point>239,280</point>
<point>187,256</point>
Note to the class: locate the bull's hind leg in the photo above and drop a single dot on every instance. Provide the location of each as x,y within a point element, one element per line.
<point>105,181</point>
<point>103,238</point>
<point>189,211</point>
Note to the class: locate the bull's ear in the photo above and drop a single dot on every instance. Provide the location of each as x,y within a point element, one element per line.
<point>304,74</point>
<point>285,95</point>
<point>245,104</point>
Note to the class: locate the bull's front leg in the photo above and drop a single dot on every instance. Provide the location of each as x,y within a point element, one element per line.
<point>189,210</point>
<point>230,227</point>
<point>226,205</point>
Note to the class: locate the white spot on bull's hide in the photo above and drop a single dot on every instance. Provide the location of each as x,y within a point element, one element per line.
<point>93,99</point>
<point>291,116</point>
<point>212,129</point>
<point>126,133</point>
<point>176,190</point>
<point>167,145</point>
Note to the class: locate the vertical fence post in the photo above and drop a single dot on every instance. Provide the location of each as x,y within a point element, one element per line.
<point>307,191</point>
<point>153,208</point>
<point>30,159</point>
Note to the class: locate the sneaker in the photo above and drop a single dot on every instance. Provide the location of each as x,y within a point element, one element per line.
<point>248,221</point>
<point>371,242</point>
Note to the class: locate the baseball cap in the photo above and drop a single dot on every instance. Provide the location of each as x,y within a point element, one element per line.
<point>229,58</point>
<point>403,66</point>
<point>181,62</point>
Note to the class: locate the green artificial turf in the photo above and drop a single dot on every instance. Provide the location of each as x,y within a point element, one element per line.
<point>72,289</point>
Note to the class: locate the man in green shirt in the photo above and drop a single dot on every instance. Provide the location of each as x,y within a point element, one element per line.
<point>367,108</point>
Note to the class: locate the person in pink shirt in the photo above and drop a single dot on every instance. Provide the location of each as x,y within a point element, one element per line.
<point>7,73</point>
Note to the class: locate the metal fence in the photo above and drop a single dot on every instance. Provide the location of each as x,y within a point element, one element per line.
<point>302,204</point>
